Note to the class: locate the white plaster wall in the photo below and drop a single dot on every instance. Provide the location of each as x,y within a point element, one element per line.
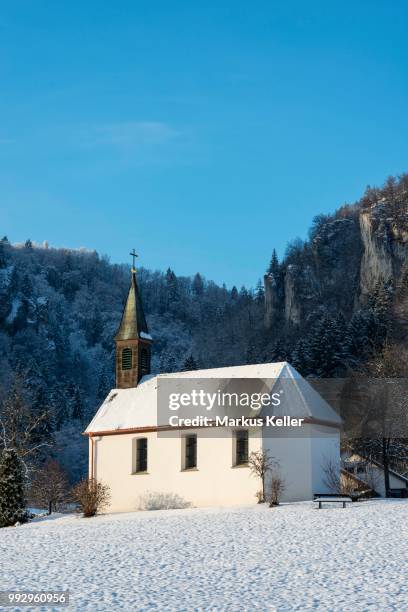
<point>302,460</point>
<point>215,482</point>
<point>325,447</point>
<point>294,457</point>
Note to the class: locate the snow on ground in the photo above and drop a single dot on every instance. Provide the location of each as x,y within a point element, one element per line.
<point>294,557</point>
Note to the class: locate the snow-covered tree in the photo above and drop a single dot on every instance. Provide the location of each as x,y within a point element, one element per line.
<point>12,497</point>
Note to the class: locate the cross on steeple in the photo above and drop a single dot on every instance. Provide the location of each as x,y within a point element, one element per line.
<point>134,255</point>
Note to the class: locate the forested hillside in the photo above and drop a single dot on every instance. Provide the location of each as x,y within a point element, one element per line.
<point>329,305</point>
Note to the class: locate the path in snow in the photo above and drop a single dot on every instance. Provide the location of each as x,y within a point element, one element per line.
<point>289,558</point>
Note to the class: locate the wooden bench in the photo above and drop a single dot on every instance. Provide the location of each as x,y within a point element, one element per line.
<point>332,499</point>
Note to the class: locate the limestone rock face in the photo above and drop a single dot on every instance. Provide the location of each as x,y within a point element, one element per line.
<point>385,253</point>
<point>345,260</point>
<point>292,305</point>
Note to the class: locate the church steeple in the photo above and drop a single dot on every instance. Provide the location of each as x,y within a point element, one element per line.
<point>133,341</point>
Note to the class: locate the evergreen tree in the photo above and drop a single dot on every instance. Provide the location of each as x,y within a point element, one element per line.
<point>198,285</point>
<point>26,287</point>
<point>59,402</point>
<point>279,352</point>
<point>361,333</point>
<point>324,349</point>
<point>77,406</point>
<point>171,364</point>
<point>300,358</point>
<point>3,255</point>
<point>43,432</point>
<point>23,316</point>
<point>234,294</point>
<point>274,267</point>
<point>28,244</point>
<point>380,302</point>
<point>94,328</point>
<point>104,385</point>
<point>12,499</point>
<point>167,363</point>
<point>189,364</point>
<point>259,292</point>
<point>171,286</point>
<point>252,354</point>
<point>244,295</point>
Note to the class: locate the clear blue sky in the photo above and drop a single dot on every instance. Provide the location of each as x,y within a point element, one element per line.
<point>201,133</point>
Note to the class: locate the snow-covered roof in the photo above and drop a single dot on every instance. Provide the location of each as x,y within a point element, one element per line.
<point>137,407</point>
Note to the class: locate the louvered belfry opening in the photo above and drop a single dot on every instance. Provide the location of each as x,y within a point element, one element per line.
<point>127,358</point>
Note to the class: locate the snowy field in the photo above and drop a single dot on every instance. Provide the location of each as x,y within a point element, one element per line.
<point>294,557</point>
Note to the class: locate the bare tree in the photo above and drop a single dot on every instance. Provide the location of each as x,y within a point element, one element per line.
<point>91,496</point>
<point>22,429</point>
<point>50,488</point>
<point>276,487</point>
<point>261,463</point>
<point>333,478</point>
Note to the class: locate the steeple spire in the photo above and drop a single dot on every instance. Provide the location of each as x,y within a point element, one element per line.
<point>133,341</point>
<point>133,324</point>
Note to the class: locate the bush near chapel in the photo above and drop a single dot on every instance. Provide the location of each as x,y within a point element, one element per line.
<point>92,496</point>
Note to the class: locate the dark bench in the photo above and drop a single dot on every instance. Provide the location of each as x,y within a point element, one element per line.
<point>332,499</point>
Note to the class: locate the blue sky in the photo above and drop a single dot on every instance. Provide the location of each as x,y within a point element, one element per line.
<point>201,133</point>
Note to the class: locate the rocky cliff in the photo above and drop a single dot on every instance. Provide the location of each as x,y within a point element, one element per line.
<point>348,255</point>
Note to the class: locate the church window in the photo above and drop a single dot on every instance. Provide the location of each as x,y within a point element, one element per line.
<point>127,358</point>
<point>190,452</point>
<point>241,447</point>
<point>141,455</point>
<point>144,361</point>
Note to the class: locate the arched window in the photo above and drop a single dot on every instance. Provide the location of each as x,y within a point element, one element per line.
<point>127,358</point>
<point>144,361</point>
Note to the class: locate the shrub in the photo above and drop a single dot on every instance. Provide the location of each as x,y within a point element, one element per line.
<point>259,497</point>
<point>154,500</point>
<point>276,488</point>
<point>92,496</point>
<point>261,463</point>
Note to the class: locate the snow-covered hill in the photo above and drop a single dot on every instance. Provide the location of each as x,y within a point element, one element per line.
<point>294,557</point>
